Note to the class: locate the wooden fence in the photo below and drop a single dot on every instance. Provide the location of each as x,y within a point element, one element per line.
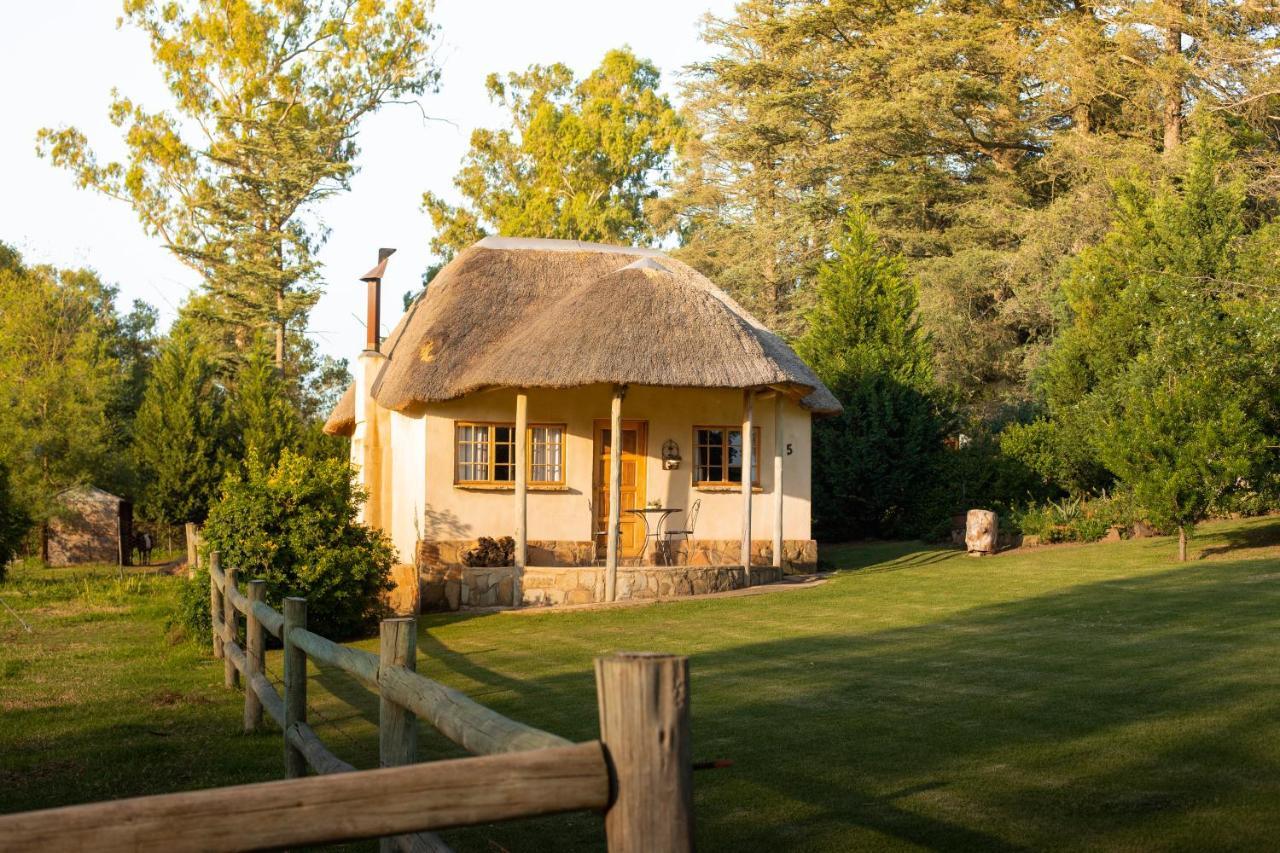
<point>639,773</point>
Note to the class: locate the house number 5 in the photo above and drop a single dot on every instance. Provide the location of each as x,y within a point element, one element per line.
<point>790,450</point>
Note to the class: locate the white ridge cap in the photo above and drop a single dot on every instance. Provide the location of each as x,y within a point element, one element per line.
<point>647,263</point>
<point>542,244</point>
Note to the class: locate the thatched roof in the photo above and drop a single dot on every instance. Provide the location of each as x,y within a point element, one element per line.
<point>342,420</point>
<point>560,313</point>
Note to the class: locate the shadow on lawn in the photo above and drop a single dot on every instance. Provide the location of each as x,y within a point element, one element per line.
<point>1071,719</point>
<point>1246,538</point>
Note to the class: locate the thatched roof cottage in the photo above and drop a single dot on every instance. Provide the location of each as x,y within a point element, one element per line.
<point>555,391</point>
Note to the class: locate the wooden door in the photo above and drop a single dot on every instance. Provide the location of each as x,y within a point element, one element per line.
<point>634,439</point>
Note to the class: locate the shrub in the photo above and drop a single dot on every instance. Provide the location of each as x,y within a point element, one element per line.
<point>294,526</point>
<point>14,524</point>
<point>192,609</point>
<point>490,553</point>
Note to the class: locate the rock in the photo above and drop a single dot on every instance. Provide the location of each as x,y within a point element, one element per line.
<point>506,591</point>
<point>453,594</point>
<point>981,531</point>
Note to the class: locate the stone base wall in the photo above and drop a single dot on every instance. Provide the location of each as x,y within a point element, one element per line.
<point>443,553</point>
<point>799,556</point>
<point>459,587</point>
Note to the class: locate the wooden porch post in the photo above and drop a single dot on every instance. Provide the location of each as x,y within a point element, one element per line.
<point>522,496</point>
<point>748,426</point>
<point>615,493</point>
<point>779,446</point>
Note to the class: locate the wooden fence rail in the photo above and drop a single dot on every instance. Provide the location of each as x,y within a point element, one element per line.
<point>639,774</point>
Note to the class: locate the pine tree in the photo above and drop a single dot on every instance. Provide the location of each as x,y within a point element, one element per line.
<point>1166,374</point>
<point>181,433</point>
<point>266,420</point>
<point>874,462</point>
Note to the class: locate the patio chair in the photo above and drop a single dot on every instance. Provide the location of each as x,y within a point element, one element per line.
<point>673,536</point>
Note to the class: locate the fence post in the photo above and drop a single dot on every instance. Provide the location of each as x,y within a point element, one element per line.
<point>644,724</point>
<point>397,727</point>
<point>215,604</point>
<point>230,675</point>
<point>295,684</point>
<point>253,646</point>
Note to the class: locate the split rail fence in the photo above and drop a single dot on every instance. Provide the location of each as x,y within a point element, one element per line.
<point>639,773</point>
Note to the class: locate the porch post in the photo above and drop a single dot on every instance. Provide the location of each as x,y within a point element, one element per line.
<point>778,447</point>
<point>612,533</point>
<point>748,425</point>
<point>522,496</point>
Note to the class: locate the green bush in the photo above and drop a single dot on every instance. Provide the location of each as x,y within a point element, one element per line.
<point>294,525</point>
<point>192,609</point>
<point>14,524</point>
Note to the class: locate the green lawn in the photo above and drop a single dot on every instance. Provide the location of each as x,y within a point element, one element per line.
<point>1070,697</point>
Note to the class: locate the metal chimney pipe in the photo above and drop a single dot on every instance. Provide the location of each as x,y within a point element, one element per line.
<point>373,325</point>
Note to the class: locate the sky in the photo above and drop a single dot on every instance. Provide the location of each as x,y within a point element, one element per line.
<point>75,51</point>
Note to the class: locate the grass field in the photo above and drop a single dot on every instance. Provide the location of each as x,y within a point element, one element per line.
<point>1083,697</point>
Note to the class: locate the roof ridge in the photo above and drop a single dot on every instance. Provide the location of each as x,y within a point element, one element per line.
<point>548,244</point>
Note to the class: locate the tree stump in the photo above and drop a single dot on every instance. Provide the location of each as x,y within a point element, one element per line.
<point>981,530</point>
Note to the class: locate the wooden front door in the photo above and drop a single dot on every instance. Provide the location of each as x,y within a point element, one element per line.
<point>634,438</point>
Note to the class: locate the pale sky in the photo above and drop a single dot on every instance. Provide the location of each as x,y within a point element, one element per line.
<point>59,60</point>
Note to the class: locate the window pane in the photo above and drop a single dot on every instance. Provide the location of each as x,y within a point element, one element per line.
<point>735,456</point>
<point>546,445</point>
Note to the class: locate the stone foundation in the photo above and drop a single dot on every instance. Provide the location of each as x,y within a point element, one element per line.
<point>566,573</point>
<point>458,587</point>
<point>799,556</point>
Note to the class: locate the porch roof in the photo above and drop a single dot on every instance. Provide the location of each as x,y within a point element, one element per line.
<point>560,314</point>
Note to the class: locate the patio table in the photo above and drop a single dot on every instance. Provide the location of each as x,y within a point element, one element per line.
<point>656,531</point>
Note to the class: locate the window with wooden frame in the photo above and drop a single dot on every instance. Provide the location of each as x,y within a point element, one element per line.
<point>718,456</point>
<point>485,454</point>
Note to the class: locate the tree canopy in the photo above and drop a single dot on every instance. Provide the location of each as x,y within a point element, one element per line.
<point>268,98</point>
<point>578,161</point>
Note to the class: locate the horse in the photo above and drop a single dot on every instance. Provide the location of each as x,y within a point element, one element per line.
<point>143,543</point>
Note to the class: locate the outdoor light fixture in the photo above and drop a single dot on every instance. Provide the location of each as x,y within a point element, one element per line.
<point>670,455</point>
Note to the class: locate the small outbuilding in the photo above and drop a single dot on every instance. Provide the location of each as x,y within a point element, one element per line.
<point>93,526</point>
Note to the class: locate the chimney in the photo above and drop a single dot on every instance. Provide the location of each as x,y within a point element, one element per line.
<point>373,277</point>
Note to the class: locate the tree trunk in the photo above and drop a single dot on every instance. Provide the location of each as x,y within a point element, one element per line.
<point>280,331</point>
<point>1173,87</point>
<point>1182,543</point>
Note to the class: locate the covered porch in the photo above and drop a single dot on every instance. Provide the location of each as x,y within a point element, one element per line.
<point>617,492</point>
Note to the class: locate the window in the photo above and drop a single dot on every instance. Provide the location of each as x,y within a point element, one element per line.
<point>718,459</point>
<point>546,454</point>
<point>485,454</point>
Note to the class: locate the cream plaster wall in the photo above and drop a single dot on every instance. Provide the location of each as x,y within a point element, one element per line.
<point>408,476</point>
<point>421,463</point>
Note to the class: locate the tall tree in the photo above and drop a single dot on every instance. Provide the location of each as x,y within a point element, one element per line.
<point>874,462</point>
<point>982,138</point>
<point>579,160</point>
<point>1166,373</point>
<point>65,382</point>
<point>265,418</point>
<point>268,98</point>
<point>180,437</point>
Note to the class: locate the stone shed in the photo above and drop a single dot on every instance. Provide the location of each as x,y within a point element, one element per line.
<point>94,526</point>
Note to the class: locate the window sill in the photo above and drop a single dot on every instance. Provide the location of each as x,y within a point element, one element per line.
<point>732,487</point>
<point>507,487</point>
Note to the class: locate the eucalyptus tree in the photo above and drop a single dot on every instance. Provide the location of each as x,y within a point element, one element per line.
<point>267,101</point>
